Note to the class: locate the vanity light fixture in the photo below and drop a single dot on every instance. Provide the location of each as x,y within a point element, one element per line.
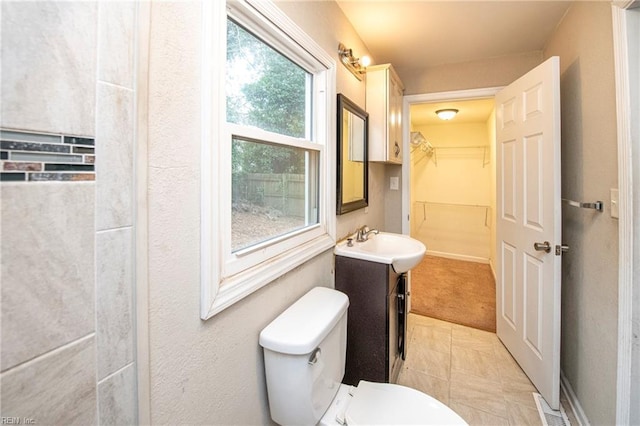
<point>357,66</point>
<point>446,114</point>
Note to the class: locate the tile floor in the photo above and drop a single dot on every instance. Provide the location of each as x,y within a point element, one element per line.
<point>470,371</point>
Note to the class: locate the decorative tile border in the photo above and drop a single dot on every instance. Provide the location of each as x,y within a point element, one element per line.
<point>45,157</point>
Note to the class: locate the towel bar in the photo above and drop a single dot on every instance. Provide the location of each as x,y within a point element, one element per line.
<point>598,205</point>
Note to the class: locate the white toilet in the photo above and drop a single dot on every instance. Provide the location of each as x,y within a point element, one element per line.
<point>304,355</point>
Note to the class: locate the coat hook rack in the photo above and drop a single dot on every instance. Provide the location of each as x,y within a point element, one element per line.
<point>598,205</point>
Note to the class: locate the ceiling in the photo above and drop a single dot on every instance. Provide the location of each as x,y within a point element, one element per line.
<point>421,34</point>
<point>472,111</point>
<point>413,35</point>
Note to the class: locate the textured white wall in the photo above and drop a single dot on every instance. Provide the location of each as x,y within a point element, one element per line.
<point>584,43</point>
<point>211,372</point>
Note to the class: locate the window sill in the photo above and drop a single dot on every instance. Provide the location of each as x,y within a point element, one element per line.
<point>237,287</point>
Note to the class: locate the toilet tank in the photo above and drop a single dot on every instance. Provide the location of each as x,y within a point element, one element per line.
<point>304,356</point>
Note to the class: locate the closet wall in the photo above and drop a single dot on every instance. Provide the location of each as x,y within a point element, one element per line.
<point>452,192</point>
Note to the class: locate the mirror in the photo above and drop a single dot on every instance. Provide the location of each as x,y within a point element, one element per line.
<point>353,165</point>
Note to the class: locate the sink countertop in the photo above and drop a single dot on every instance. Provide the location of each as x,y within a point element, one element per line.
<point>400,251</point>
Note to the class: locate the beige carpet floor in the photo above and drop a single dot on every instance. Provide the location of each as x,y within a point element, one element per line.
<point>456,291</point>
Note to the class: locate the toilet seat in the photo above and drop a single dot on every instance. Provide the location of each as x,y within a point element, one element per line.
<point>389,404</point>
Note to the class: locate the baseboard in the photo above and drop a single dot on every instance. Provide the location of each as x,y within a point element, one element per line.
<point>458,256</point>
<point>574,404</point>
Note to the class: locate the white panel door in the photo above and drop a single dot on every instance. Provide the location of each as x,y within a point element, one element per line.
<point>529,212</point>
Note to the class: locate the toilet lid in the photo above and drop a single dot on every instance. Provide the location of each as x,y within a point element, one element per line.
<point>389,404</point>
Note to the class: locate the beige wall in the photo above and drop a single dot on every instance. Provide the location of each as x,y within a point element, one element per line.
<point>583,41</point>
<point>327,25</point>
<point>392,198</point>
<point>492,72</point>
<point>211,372</point>
<point>460,177</point>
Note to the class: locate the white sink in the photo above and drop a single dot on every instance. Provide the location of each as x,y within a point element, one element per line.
<point>400,251</point>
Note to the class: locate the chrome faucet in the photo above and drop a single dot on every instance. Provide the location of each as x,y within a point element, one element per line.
<point>363,233</point>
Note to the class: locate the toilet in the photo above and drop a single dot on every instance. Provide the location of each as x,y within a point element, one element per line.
<point>304,356</point>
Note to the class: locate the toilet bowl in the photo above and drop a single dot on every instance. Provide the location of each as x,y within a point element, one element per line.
<point>386,404</point>
<point>304,353</point>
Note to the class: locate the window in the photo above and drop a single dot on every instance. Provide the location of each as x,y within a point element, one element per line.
<point>272,180</point>
<point>267,143</point>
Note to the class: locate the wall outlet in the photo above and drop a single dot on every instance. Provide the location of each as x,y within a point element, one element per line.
<point>614,203</point>
<point>394,183</point>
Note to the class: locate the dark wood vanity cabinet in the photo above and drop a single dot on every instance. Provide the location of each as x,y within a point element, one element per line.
<point>376,319</point>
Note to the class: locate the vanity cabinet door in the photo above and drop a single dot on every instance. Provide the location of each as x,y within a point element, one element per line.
<point>372,320</point>
<point>384,105</point>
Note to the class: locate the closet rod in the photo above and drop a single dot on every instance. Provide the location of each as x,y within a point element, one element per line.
<point>486,208</point>
<point>453,204</point>
<point>484,149</point>
<point>462,147</point>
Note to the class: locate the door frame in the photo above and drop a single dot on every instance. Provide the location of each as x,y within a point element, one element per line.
<point>627,100</point>
<point>407,102</point>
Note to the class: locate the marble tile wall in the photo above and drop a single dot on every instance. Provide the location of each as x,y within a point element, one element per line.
<point>48,52</point>
<point>115,136</point>
<point>67,247</point>
<point>59,388</point>
<point>48,288</point>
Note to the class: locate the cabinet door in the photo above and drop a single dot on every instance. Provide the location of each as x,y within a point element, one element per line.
<point>395,128</point>
<point>384,105</point>
<point>367,286</point>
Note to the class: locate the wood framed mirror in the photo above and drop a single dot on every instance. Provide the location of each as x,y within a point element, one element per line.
<point>352,159</point>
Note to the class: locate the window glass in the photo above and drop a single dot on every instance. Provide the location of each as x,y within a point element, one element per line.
<point>274,184</point>
<point>264,88</point>
<point>272,191</point>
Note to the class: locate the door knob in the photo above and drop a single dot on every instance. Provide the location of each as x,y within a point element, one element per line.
<point>546,247</point>
<point>561,249</point>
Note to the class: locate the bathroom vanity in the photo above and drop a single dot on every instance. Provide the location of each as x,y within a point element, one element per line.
<point>376,319</point>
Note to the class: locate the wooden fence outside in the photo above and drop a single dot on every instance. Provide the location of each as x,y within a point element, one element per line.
<point>283,191</point>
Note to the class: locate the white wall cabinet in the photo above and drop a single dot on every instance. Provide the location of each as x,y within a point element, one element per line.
<point>384,105</point>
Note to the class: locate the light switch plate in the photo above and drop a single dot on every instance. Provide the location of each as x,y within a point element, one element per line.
<point>394,183</point>
<point>614,203</point>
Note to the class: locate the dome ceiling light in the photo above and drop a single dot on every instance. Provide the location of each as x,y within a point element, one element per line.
<point>446,114</point>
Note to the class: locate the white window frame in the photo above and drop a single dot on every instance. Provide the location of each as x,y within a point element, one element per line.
<point>228,277</point>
